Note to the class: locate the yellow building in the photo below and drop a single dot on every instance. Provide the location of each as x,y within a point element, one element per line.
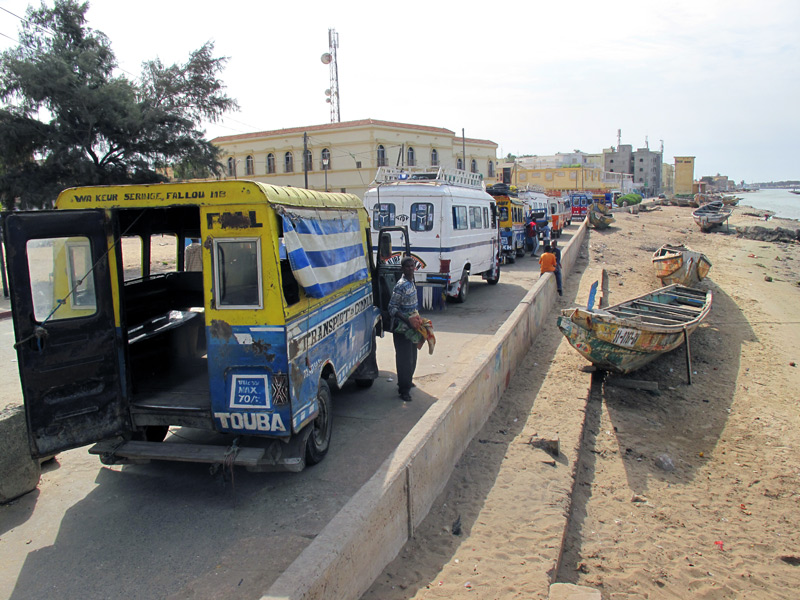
<point>344,157</point>
<point>684,175</point>
<point>558,179</point>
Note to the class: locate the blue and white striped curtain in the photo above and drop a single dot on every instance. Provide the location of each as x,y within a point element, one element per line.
<point>324,248</point>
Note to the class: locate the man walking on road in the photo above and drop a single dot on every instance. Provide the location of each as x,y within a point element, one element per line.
<point>402,305</point>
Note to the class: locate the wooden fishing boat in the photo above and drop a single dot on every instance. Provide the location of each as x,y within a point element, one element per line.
<point>711,215</point>
<point>626,336</point>
<point>681,265</point>
<point>599,218</point>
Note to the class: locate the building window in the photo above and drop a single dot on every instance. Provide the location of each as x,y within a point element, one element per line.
<point>288,163</point>
<point>460,164</point>
<point>573,175</point>
<point>308,161</point>
<point>434,158</point>
<point>523,176</point>
<point>231,167</point>
<point>325,163</point>
<point>249,165</point>
<point>490,170</point>
<point>381,156</point>
<point>270,163</point>
<point>412,157</point>
<point>611,161</point>
<point>474,166</point>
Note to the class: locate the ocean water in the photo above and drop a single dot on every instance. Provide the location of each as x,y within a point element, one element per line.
<point>782,202</point>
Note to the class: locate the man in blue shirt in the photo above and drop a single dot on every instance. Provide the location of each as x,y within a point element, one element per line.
<point>402,305</point>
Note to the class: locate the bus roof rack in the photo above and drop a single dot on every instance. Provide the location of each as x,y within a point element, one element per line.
<point>437,175</point>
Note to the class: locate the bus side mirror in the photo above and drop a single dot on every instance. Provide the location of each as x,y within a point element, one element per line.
<point>384,246</point>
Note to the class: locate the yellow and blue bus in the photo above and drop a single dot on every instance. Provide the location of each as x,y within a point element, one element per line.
<point>118,341</point>
<point>511,219</point>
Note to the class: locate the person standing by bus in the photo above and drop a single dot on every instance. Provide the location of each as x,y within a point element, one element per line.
<point>532,234</point>
<point>403,308</point>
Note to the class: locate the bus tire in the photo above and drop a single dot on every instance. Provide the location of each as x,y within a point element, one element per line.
<point>463,289</point>
<point>319,439</point>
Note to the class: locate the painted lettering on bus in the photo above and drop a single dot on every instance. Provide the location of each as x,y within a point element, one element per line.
<point>251,421</point>
<point>133,196</point>
<point>185,195</point>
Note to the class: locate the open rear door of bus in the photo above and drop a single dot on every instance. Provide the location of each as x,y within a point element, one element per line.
<point>68,347</point>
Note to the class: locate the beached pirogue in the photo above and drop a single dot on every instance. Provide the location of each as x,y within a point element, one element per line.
<point>626,336</point>
<point>599,216</point>
<point>680,264</point>
<point>711,215</point>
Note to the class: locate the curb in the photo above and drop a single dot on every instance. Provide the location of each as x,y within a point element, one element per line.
<point>369,531</point>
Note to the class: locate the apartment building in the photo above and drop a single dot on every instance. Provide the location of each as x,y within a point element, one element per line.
<point>684,175</point>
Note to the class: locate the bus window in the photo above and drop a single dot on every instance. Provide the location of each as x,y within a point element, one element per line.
<point>486,218</point>
<point>421,216</point>
<point>132,257</point>
<point>383,215</point>
<point>60,269</point>
<point>460,217</point>
<point>237,276</point>
<point>474,217</point>
<point>503,213</point>
<point>163,254</point>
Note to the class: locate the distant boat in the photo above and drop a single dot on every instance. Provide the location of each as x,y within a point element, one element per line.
<point>599,217</point>
<point>794,191</point>
<point>627,336</point>
<point>681,265</point>
<point>711,215</point>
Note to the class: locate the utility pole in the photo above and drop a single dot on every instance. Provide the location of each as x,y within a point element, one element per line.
<point>464,148</point>
<point>305,162</point>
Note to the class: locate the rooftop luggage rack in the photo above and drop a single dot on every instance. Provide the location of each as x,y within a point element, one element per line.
<point>439,175</point>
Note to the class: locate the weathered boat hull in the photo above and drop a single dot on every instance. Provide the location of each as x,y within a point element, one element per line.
<point>598,220</point>
<point>711,215</point>
<point>625,343</point>
<point>681,265</point>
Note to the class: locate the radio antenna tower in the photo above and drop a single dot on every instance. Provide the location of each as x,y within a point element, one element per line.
<point>329,58</point>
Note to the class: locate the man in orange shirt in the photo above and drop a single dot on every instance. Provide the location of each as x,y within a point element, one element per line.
<point>549,264</point>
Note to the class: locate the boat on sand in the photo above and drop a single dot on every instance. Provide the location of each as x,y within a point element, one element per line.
<point>599,216</point>
<point>627,336</point>
<point>680,264</point>
<point>711,215</point>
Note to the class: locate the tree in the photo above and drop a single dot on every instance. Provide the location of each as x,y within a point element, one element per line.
<point>68,120</point>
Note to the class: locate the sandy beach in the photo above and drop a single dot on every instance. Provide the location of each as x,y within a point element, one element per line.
<point>688,492</point>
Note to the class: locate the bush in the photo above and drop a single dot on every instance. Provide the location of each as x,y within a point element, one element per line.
<point>631,199</point>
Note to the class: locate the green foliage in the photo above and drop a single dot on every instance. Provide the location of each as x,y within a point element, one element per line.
<point>67,120</point>
<point>631,199</point>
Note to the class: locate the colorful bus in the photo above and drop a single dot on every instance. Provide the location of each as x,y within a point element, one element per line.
<point>117,341</point>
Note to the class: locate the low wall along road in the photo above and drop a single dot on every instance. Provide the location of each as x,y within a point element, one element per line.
<point>352,550</point>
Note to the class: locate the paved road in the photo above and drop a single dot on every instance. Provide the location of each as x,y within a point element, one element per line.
<point>173,530</point>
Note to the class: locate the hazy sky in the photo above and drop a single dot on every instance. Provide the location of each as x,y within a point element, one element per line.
<point>715,79</point>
